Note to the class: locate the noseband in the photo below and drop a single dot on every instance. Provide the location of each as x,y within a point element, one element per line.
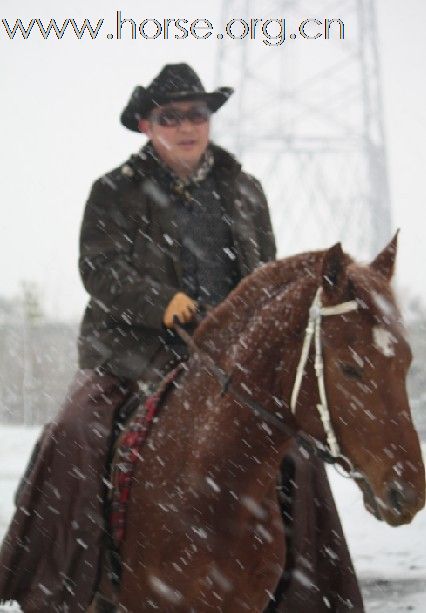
<point>316,312</point>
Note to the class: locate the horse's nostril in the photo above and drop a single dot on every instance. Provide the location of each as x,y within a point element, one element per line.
<point>396,498</point>
<point>401,495</point>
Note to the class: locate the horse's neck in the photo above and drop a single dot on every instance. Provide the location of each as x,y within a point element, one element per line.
<point>227,433</point>
<point>230,446</point>
<point>266,354</point>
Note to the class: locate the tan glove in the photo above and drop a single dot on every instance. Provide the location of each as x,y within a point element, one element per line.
<point>182,306</point>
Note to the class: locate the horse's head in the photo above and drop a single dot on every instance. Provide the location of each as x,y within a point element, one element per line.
<point>366,359</point>
<point>257,334</point>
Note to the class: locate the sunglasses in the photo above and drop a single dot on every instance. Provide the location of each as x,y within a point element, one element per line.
<point>171,118</point>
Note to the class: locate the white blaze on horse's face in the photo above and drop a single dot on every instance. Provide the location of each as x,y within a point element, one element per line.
<point>384,341</point>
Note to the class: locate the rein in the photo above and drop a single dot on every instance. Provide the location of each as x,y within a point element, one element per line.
<point>330,454</point>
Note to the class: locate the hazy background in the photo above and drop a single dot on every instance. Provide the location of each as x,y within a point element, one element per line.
<point>60,101</point>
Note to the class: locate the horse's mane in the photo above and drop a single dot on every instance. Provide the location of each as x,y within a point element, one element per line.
<point>223,325</point>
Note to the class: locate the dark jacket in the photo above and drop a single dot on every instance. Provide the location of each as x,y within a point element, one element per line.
<point>130,256</point>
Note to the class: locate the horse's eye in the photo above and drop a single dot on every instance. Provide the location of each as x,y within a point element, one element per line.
<point>351,371</point>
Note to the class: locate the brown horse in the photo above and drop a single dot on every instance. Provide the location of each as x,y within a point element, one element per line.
<point>204,528</point>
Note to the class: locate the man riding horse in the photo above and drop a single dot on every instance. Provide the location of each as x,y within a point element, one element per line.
<point>166,234</point>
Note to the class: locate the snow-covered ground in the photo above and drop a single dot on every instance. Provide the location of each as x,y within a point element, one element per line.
<point>391,562</point>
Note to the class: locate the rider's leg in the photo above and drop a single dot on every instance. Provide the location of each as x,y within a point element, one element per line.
<point>49,557</point>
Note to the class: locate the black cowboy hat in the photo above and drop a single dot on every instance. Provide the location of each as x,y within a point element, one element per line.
<point>175,82</point>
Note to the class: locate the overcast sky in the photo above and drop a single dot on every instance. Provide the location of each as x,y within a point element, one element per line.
<point>59,130</point>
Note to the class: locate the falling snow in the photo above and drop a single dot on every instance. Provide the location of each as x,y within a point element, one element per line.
<point>391,562</point>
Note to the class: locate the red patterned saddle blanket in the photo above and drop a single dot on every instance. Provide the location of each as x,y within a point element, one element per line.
<point>128,452</point>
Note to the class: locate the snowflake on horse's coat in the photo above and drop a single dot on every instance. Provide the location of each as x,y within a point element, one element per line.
<point>204,524</point>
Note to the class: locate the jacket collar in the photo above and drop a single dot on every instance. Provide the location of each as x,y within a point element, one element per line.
<point>225,162</point>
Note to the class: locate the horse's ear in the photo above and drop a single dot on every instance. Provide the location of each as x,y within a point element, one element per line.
<point>332,268</point>
<point>384,263</point>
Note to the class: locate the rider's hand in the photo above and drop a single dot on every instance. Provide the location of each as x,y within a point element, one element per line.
<point>181,306</point>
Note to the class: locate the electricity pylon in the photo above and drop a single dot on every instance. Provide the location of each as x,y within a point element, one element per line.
<point>307,119</point>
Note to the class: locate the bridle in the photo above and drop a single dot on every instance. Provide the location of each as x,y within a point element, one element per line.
<point>331,452</point>
<point>316,313</point>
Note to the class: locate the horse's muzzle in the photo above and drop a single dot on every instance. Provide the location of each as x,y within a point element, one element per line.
<point>401,502</point>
